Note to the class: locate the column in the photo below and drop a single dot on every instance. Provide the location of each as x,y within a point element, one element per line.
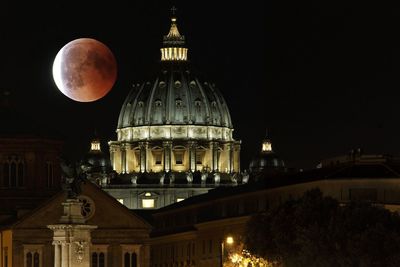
<point>236,154</point>
<point>148,158</point>
<point>230,157</point>
<point>214,156</point>
<point>123,159</point>
<point>112,160</point>
<point>143,152</point>
<point>192,155</point>
<point>167,145</point>
<point>57,254</point>
<point>65,254</point>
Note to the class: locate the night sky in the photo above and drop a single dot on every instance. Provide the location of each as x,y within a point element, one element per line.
<point>322,77</point>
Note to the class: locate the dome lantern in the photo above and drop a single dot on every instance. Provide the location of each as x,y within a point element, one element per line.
<point>266,144</point>
<point>173,43</point>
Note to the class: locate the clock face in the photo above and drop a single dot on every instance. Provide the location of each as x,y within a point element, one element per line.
<point>88,207</point>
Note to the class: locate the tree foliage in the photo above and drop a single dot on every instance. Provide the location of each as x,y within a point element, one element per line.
<point>315,230</point>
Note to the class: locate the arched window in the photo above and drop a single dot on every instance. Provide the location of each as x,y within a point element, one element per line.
<point>6,175</point>
<point>134,260</point>
<point>102,260</point>
<point>32,255</point>
<point>36,260</point>
<point>98,259</point>
<point>130,259</point>
<point>99,255</point>
<point>13,172</point>
<point>127,260</point>
<point>94,259</point>
<point>29,259</point>
<point>49,174</point>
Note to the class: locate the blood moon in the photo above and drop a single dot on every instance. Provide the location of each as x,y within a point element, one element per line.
<point>85,70</point>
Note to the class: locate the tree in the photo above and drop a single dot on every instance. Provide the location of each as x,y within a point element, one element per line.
<point>315,230</point>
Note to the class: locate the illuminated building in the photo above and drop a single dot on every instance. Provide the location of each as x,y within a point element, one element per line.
<point>174,135</point>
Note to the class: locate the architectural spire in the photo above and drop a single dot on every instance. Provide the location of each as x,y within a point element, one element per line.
<point>173,43</point>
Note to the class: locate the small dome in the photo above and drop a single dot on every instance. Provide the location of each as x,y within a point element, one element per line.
<point>98,161</point>
<point>267,161</point>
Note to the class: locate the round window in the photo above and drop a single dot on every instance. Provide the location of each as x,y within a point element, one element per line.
<point>88,207</point>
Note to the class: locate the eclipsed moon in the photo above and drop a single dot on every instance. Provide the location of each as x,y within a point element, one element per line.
<point>85,70</point>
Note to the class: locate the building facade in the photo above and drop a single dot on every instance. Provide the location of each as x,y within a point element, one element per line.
<point>120,239</point>
<point>206,230</point>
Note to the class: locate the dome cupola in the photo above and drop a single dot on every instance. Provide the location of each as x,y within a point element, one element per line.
<point>173,44</point>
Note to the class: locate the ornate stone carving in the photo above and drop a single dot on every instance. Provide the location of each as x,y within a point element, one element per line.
<point>80,250</point>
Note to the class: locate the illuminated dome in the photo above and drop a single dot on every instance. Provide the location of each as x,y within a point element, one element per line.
<point>176,96</point>
<point>177,122</point>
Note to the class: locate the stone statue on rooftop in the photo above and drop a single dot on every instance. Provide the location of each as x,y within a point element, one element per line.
<point>73,176</point>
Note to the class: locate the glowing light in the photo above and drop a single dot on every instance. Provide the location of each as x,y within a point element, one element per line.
<point>147,194</point>
<point>179,199</point>
<point>245,258</point>
<point>148,203</point>
<point>266,146</point>
<point>174,54</point>
<point>95,145</point>
<point>229,240</point>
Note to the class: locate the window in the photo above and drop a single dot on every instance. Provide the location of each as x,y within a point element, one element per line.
<point>179,199</point>
<point>13,172</point>
<point>158,158</point>
<point>148,203</point>
<point>88,207</point>
<point>199,157</point>
<point>137,157</point>
<point>49,174</point>
<point>99,255</point>
<point>33,255</point>
<point>178,102</point>
<point>98,259</point>
<point>158,103</point>
<point>130,255</point>
<point>179,157</point>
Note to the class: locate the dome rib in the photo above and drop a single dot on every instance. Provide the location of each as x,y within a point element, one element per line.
<point>188,91</point>
<point>123,112</point>
<point>150,102</point>
<point>207,106</point>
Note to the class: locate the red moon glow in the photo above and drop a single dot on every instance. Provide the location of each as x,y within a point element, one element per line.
<point>85,70</point>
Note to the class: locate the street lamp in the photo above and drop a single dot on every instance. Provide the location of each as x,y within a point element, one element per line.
<point>229,241</point>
